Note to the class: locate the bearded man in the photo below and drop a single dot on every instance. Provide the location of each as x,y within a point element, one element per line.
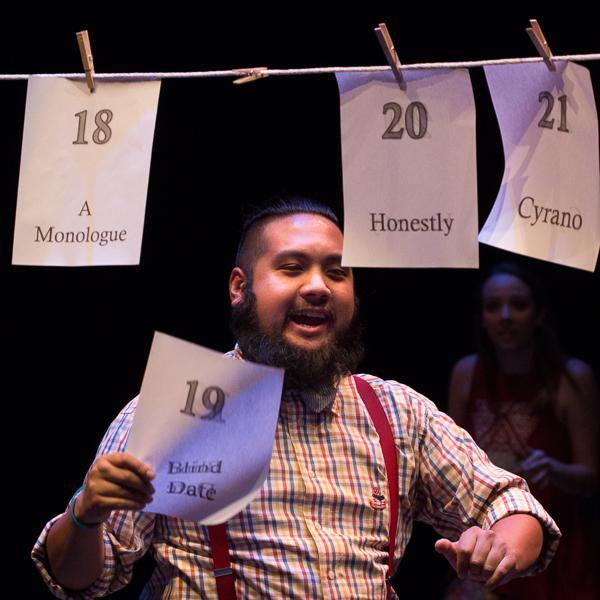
<point>322,524</point>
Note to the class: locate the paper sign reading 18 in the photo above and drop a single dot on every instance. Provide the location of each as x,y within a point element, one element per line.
<point>85,162</point>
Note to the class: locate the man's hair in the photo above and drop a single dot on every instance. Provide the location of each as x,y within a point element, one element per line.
<point>250,244</point>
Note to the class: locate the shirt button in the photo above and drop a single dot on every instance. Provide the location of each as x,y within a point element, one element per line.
<point>331,574</point>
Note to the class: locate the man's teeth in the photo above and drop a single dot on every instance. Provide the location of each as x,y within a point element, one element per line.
<point>310,317</point>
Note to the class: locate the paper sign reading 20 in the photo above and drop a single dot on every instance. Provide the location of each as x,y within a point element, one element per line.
<point>396,214</point>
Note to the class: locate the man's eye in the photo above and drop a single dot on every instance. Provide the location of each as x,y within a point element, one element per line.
<point>337,273</point>
<point>291,267</point>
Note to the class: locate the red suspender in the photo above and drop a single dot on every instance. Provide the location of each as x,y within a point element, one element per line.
<point>218,533</point>
<point>219,549</point>
<point>386,439</point>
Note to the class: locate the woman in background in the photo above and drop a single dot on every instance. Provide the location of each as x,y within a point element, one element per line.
<point>535,412</point>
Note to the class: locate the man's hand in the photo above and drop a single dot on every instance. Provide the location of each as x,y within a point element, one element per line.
<point>115,481</point>
<point>494,557</point>
<point>479,555</point>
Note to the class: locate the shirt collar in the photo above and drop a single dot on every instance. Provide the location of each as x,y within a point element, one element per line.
<point>318,400</point>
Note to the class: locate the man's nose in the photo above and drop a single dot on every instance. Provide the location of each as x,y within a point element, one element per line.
<point>315,288</point>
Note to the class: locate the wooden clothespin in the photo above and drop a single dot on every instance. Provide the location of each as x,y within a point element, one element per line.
<point>83,39</point>
<point>385,41</point>
<point>249,75</point>
<point>539,41</point>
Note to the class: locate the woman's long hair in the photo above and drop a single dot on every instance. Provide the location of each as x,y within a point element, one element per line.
<point>548,360</point>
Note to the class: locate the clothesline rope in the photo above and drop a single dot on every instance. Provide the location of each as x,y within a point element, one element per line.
<point>308,71</point>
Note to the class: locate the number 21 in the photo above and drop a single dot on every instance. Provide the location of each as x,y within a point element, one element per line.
<point>547,123</point>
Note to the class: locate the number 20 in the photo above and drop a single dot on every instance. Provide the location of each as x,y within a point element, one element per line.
<point>409,121</point>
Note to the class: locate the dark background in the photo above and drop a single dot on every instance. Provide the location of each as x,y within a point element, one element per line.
<point>77,339</point>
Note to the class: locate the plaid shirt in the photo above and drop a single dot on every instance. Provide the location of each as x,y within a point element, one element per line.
<point>314,530</point>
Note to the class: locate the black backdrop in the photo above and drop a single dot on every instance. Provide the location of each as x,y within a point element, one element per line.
<point>77,339</point>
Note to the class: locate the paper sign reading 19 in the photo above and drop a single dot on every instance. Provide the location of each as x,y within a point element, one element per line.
<point>191,426</point>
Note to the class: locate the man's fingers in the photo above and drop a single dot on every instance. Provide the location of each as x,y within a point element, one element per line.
<point>490,556</point>
<point>120,492</point>
<point>504,572</point>
<point>115,481</point>
<point>464,550</point>
<point>107,475</point>
<point>494,558</point>
<point>123,470</point>
<point>130,463</point>
<point>458,554</point>
<point>479,556</point>
<point>99,498</point>
<point>446,548</point>
<point>103,506</point>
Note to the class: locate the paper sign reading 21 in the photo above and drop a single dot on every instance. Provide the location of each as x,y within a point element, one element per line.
<point>548,205</point>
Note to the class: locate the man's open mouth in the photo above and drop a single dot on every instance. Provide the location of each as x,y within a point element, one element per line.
<point>311,318</point>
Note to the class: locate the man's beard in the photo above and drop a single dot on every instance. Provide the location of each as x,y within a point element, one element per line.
<point>304,369</point>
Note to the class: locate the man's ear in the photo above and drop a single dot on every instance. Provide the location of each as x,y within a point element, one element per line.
<point>237,286</point>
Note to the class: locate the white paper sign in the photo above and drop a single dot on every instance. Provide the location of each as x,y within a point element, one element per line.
<point>410,177</point>
<point>85,163</point>
<point>548,205</point>
<point>206,424</point>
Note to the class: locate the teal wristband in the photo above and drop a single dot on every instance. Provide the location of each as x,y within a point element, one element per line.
<point>80,524</point>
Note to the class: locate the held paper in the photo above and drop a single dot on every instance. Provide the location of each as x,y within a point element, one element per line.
<point>85,164</point>
<point>206,424</point>
<point>410,184</point>
<point>548,205</point>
